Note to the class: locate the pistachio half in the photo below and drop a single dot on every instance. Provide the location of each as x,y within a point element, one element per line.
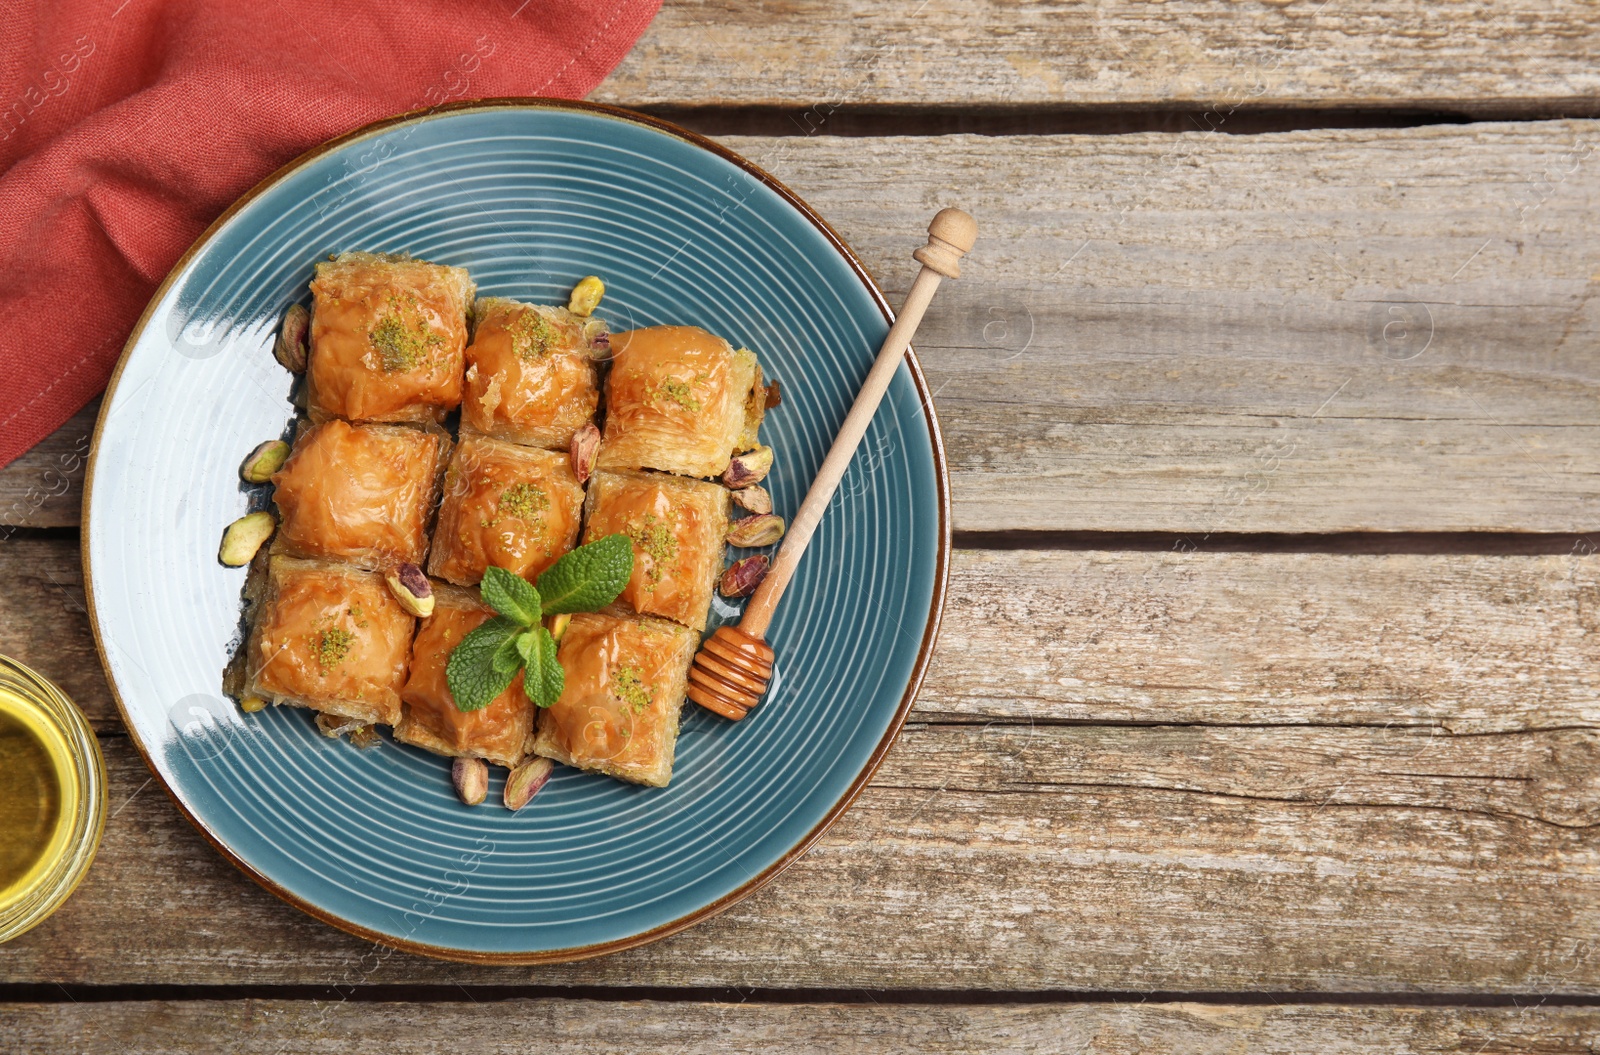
<point>583,448</point>
<point>557,624</point>
<point>412,589</point>
<point>748,468</point>
<point>264,461</point>
<point>763,529</point>
<point>753,499</point>
<point>291,347</point>
<point>471,778</point>
<point>244,536</point>
<point>586,295</point>
<point>524,782</point>
<point>743,576</point>
<point>252,704</point>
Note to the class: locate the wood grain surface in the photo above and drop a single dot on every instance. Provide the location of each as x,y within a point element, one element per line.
<point>1514,57</point>
<point>1354,330</point>
<point>584,1026</point>
<point>1436,645</point>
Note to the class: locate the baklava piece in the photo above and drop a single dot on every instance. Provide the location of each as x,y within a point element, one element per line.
<point>530,375</point>
<point>388,339</point>
<point>514,507</point>
<point>618,714</point>
<point>681,400</point>
<point>501,732</point>
<point>677,527</point>
<point>328,637</point>
<point>359,493</point>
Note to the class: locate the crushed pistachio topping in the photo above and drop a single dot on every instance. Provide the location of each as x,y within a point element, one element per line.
<point>628,687</point>
<point>402,337</point>
<point>657,541</point>
<point>679,392</point>
<point>358,616</point>
<point>522,501</point>
<point>532,336</point>
<point>331,645</point>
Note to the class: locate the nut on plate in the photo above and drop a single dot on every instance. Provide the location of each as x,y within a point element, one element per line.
<point>291,347</point>
<point>586,295</point>
<point>748,468</point>
<point>471,778</point>
<point>244,537</point>
<point>412,589</point>
<point>763,529</point>
<point>252,704</point>
<point>753,499</point>
<point>524,782</point>
<point>264,461</point>
<point>743,576</point>
<point>583,448</point>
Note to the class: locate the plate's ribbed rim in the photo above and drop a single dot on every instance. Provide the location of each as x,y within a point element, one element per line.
<point>935,608</point>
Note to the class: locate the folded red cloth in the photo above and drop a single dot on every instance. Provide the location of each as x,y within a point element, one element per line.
<point>129,125</point>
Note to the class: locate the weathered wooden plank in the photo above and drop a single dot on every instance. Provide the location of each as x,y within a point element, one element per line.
<point>1053,857</point>
<point>1439,644</point>
<point>584,1026</point>
<point>44,487</point>
<point>1206,54</point>
<point>1321,331</point>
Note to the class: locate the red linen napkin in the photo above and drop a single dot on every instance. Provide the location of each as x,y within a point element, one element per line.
<point>127,126</point>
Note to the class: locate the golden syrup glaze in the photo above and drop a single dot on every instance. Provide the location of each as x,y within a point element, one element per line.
<point>30,800</point>
<point>675,400</point>
<point>497,732</point>
<point>360,493</point>
<point>677,528</point>
<point>330,635</point>
<point>388,339</point>
<point>529,375</point>
<point>514,507</point>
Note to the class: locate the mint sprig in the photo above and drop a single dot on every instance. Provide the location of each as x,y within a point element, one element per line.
<point>486,661</point>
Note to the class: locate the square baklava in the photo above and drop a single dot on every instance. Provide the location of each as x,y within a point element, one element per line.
<point>388,338</point>
<point>504,504</point>
<point>359,493</point>
<point>677,526</point>
<point>501,733</point>
<point>618,714</point>
<point>530,375</point>
<point>681,400</point>
<point>328,637</point>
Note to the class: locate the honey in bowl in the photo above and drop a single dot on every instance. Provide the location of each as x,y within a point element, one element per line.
<point>52,798</point>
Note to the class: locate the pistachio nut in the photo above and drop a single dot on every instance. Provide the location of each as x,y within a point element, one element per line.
<point>753,499</point>
<point>524,782</point>
<point>748,468</point>
<point>252,704</point>
<point>264,461</point>
<point>586,295</point>
<point>583,448</point>
<point>763,529</point>
<point>412,589</point>
<point>471,778</point>
<point>244,536</point>
<point>291,348</point>
<point>557,624</point>
<point>743,576</point>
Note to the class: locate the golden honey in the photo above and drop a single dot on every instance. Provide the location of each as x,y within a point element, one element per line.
<point>52,798</point>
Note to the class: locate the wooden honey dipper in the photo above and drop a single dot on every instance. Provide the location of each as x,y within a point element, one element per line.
<point>732,669</point>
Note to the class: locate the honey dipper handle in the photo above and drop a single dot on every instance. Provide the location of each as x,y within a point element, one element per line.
<point>950,235</point>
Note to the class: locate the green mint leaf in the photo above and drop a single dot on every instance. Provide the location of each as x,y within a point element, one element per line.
<point>588,578</point>
<point>543,679</point>
<point>474,682</point>
<point>506,659</point>
<point>511,595</point>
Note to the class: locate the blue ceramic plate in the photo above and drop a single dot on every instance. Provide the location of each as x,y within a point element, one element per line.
<point>528,196</point>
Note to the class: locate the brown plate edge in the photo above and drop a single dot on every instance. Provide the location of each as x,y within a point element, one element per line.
<point>924,653</point>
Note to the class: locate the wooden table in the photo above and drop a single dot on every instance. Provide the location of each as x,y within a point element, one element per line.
<point>1265,714</point>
